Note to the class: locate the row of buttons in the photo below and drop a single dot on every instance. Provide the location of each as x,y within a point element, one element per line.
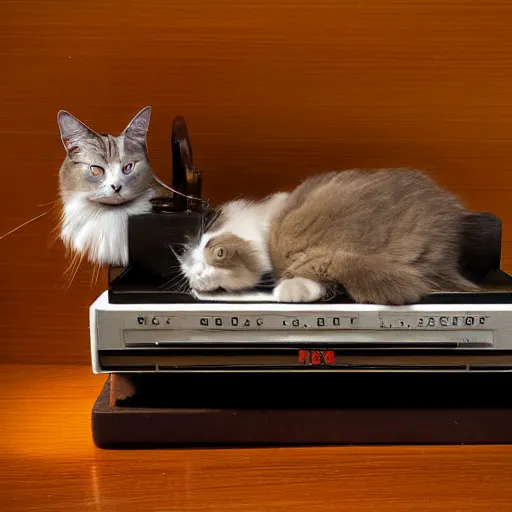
<point>234,321</point>
<point>204,321</point>
<point>248,322</point>
<point>155,320</point>
<point>454,321</point>
<point>432,321</point>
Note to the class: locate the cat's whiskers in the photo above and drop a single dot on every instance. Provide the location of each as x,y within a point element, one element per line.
<point>55,203</point>
<point>96,270</point>
<point>180,281</point>
<point>37,217</point>
<point>185,247</point>
<point>172,269</point>
<point>187,289</point>
<point>72,269</point>
<point>93,276</point>
<point>175,281</point>
<point>54,235</point>
<point>174,285</point>
<point>184,287</point>
<point>172,274</point>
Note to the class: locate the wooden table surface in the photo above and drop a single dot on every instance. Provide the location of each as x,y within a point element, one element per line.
<point>48,462</point>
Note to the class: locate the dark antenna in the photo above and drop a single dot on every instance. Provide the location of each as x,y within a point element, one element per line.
<point>185,192</point>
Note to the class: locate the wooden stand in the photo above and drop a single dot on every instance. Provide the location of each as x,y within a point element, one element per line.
<point>324,409</point>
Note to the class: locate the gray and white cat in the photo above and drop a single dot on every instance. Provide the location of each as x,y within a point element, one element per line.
<point>103,180</point>
<point>388,236</point>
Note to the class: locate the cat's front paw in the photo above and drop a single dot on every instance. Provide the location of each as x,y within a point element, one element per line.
<point>299,289</point>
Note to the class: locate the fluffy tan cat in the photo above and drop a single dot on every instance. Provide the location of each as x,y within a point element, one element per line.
<point>388,236</point>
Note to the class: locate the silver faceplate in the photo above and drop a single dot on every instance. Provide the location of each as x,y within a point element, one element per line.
<point>129,328</point>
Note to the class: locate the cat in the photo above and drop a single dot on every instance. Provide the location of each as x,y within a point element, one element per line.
<point>387,236</point>
<point>102,181</point>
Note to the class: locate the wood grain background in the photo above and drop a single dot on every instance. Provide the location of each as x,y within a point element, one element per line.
<point>272,90</point>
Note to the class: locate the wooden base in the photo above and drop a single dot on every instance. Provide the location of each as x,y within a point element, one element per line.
<point>391,409</point>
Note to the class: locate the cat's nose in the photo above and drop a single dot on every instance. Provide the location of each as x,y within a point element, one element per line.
<point>117,188</point>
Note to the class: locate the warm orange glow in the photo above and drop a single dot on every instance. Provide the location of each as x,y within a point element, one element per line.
<point>48,463</point>
<point>49,411</point>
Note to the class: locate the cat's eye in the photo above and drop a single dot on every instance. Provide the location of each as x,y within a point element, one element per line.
<point>128,168</point>
<point>96,170</point>
<point>220,253</point>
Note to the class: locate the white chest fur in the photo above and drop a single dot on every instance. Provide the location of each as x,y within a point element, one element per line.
<point>99,232</point>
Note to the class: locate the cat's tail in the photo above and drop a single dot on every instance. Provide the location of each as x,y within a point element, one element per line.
<point>377,279</point>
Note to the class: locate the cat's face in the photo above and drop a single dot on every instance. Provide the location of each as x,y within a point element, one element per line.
<point>221,262</point>
<point>105,169</point>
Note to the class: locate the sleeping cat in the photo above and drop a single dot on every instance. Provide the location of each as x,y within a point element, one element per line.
<point>103,180</point>
<point>388,236</point>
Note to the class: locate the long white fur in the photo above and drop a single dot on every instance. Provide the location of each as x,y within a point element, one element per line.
<point>99,231</point>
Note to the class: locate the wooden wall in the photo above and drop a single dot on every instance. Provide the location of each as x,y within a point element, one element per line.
<point>272,90</point>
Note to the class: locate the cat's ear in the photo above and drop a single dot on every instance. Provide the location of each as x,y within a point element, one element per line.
<point>137,128</point>
<point>72,131</point>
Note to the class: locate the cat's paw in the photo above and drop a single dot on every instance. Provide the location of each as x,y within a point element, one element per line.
<point>299,289</point>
